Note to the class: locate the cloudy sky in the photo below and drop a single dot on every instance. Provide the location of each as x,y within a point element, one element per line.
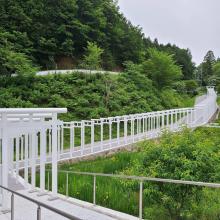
<point>193,24</point>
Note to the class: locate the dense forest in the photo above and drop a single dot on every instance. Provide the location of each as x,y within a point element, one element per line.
<point>66,34</point>
<point>54,34</point>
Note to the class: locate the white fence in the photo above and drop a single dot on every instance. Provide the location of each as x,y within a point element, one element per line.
<point>24,138</point>
<point>89,137</point>
<point>33,137</point>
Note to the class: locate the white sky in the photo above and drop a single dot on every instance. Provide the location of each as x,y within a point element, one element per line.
<point>193,24</point>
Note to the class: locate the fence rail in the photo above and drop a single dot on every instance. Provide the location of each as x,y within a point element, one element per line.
<point>140,179</point>
<point>39,206</point>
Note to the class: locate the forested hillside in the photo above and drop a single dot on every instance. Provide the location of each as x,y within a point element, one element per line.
<point>65,34</point>
<point>54,34</point>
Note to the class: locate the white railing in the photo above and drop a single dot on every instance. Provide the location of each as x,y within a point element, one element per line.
<point>93,136</point>
<point>23,136</point>
<point>35,137</point>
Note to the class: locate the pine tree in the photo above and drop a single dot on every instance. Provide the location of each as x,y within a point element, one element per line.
<point>207,66</point>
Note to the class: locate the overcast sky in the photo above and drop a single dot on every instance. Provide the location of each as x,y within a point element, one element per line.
<point>193,24</point>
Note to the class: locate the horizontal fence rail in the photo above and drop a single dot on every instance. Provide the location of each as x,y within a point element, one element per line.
<point>142,178</point>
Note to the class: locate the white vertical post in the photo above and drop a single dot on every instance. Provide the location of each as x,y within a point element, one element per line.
<point>171,120</point>
<point>188,118</point>
<point>146,125</point>
<point>110,131</point>
<point>163,120</point>
<point>194,115</point>
<point>71,138</point>
<point>118,131</point>
<point>71,143</point>
<point>26,158</point>
<point>125,129</point>
<point>101,133</point>
<point>11,155</point>
<point>58,141</point>
<point>17,156</point>
<point>5,167</point>
<point>149,123</point>
<point>191,120</point>
<point>152,123</point>
<point>36,145</point>
<point>22,147</point>
<point>168,119</point>
<point>141,200</point>
<point>82,137</point>
<point>62,138</point>
<point>132,128</point>
<point>54,153</point>
<point>92,135</point>
<point>43,153</point>
<point>33,159</point>
<point>158,121</point>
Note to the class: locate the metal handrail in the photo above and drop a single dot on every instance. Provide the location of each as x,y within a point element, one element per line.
<point>145,179</point>
<point>39,205</point>
<point>137,178</point>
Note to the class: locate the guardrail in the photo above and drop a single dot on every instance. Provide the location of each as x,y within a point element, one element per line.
<point>39,205</point>
<point>140,179</point>
<point>83,71</point>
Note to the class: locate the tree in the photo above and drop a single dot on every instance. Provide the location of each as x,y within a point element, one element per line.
<point>207,67</point>
<point>216,75</point>
<point>92,59</point>
<point>182,156</point>
<point>183,58</point>
<point>161,68</point>
<point>191,86</point>
<point>216,69</point>
<point>12,62</point>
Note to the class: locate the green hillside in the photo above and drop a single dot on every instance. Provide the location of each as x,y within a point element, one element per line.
<point>90,96</point>
<point>54,34</point>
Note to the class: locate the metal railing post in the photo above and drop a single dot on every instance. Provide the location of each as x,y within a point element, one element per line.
<point>38,213</point>
<point>94,189</point>
<point>141,200</point>
<point>12,207</point>
<point>67,184</point>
